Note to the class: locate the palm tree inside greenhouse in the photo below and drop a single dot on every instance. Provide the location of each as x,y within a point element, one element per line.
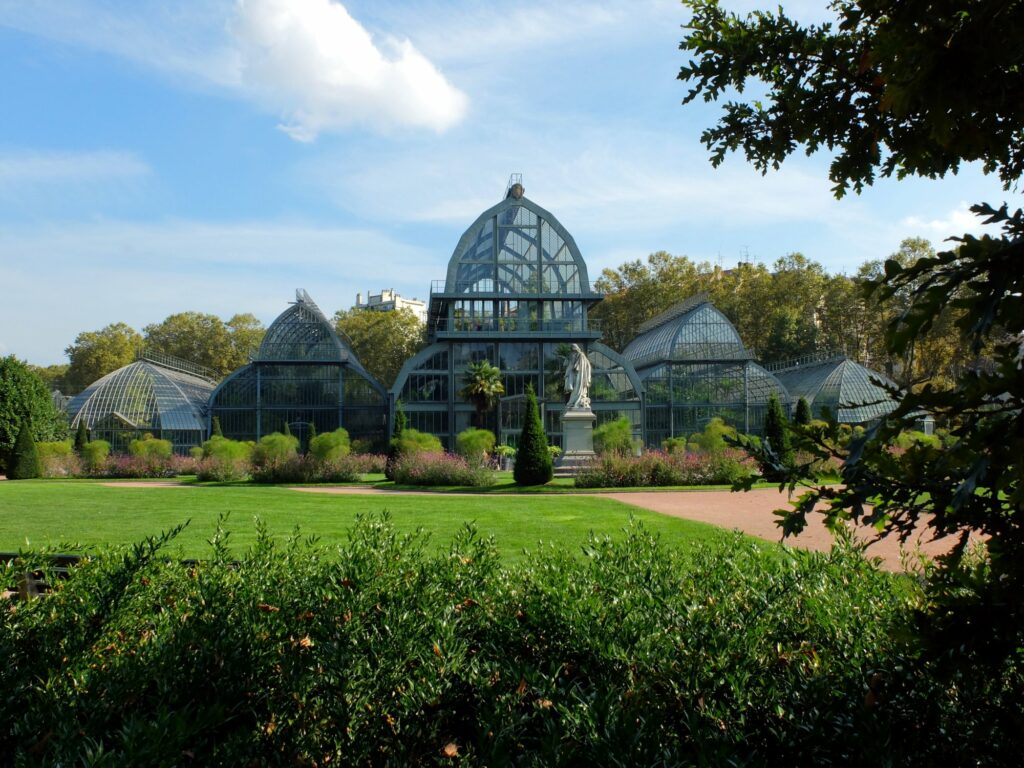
<point>483,388</point>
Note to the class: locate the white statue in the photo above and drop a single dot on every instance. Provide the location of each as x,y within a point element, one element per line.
<point>577,379</point>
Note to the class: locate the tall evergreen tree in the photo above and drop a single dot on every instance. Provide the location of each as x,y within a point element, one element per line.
<point>396,433</point>
<point>215,429</point>
<point>803,412</point>
<point>25,460</point>
<point>776,437</point>
<point>533,460</point>
<point>81,436</point>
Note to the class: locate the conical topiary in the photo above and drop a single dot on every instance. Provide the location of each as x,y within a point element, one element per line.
<point>802,415</point>
<point>25,459</point>
<point>215,429</point>
<point>81,436</point>
<point>396,433</point>
<point>776,436</point>
<point>287,430</point>
<point>533,460</point>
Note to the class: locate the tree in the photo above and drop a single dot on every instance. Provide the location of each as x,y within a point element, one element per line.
<point>206,340</point>
<point>81,436</point>
<point>382,341</point>
<point>910,89</point>
<point>25,459</point>
<point>776,440</point>
<point>802,416</point>
<point>25,398</point>
<point>533,460</point>
<point>890,88</point>
<point>483,388</point>
<point>245,333</point>
<point>52,375</point>
<point>94,354</point>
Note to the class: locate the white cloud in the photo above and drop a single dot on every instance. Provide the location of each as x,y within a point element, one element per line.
<point>30,167</point>
<point>957,222</point>
<point>322,69</point>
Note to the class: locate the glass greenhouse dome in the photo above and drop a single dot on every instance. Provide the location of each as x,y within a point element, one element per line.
<point>517,294</point>
<point>694,367</point>
<point>302,374</point>
<point>838,385</point>
<point>158,394</point>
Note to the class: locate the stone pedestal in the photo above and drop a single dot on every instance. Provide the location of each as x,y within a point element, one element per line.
<point>577,441</point>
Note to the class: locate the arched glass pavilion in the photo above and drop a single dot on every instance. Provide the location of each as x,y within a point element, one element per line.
<point>158,394</point>
<point>517,294</point>
<point>302,374</point>
<point>694,367</point>
<point>836,385</point>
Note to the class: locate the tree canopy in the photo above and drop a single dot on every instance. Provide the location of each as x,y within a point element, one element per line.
<point>909,88</point>
<point>888,86</point>
<point>382,341</point>
<point>25,398</point>
<point>206,339</point>
<point>94,354</point>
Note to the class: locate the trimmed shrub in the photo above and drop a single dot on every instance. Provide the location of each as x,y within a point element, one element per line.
<point>802,415</point>
<point>776,436</point>
<point>475,445</point>
<point>215,430</point>
<point>433,469</point>
<point>224,460</point>
<point>330,445</point>
<point>533,461</point>
<point>151,448</point>
<point>24,458</point>
<point>614,437</point>
<point>713,438</point>
<point>414,441</point>
<point>94,455</point>
<point>81,436</point>
<point>275,447</point>
<point>673,444</point>
<point>907,440</point>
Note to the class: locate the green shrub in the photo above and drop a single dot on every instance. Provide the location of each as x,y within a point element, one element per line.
<point>81,436</point>
<point>673,444</point>
<point>275,447</point>
<point>911,438</point>
<point>614,437</point>
<point>475,445</point>
<point>658,469</point>
<point>389,651</point>
<point>95,454</point>
<point>196,452</point>
<point>776,435</point>
<point>24,463</point>
<point>215,430</point>
<point>224,460</point>
<point>150,447</point>
<point>533,461</point>
<point>713,438</point>
<point>802,415</point>
<point>58,459</point>
<point>330,445</point>
<point>414,441</point>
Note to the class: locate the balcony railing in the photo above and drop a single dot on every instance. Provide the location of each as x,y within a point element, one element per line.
<point>515,326</point>
<point>493,288</point>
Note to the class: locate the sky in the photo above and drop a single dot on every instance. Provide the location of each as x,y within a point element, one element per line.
<point>159,156</point>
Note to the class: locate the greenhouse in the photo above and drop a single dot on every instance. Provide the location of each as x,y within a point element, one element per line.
<point>835,385</point>
<point>302,375</point>
<point>694,367</point>
<point>157,394</point>
<point>517,294</point>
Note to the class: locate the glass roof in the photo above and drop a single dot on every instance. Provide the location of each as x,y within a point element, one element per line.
<point>302,333</point>
<point>146,396</point>
<point>692,331</point>
<point>517,247</point>
<point>842,386</point>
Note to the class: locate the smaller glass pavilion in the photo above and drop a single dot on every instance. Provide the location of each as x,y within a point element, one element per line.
<point>158,394</point>
<point>302,374</point>
<point>839,385</point>
<point>694,368</point>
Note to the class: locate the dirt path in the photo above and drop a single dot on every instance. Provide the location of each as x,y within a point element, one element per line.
<point>750,512</point>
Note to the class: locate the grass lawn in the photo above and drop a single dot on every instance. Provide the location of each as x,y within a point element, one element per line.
<point>34,513</point>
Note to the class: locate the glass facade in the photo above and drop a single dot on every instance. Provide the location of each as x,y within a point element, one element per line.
<point>839,385</point>
<point>694,368</point>
<point>303,374</point>
<point>160,396</point>
<point>516,294</point>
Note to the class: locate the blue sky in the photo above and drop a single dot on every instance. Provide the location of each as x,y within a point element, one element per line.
<point>214,155</point>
